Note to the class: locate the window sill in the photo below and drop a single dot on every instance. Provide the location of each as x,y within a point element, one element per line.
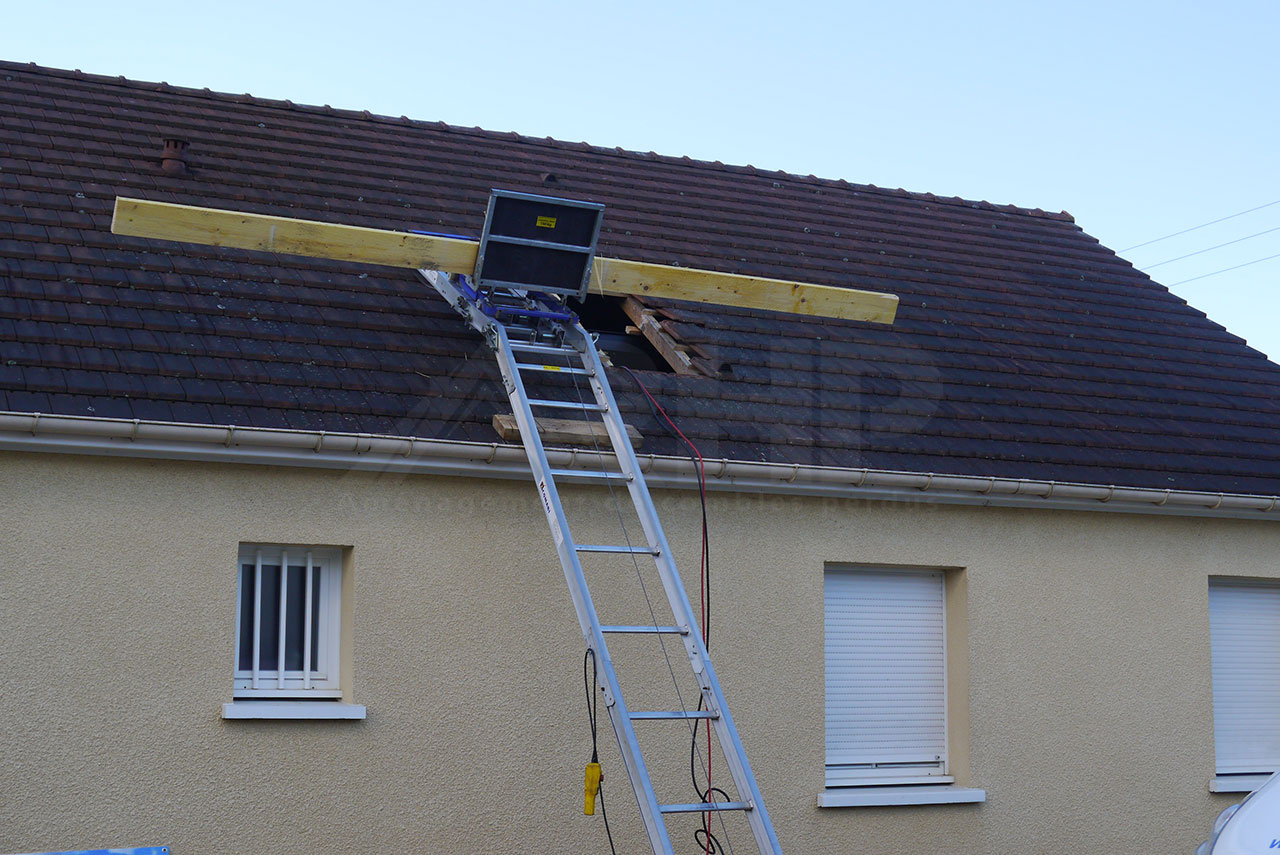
<point>1237,783</point>
<point>295,710</point>
<point>882,796</point>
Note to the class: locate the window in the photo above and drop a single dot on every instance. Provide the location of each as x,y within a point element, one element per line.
<point>889,717</point>
<point>288,635</point>
<point>1244,630</point>
<point>886,677</point>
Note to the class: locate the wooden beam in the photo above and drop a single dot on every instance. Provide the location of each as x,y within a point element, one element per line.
<point>215,227</point>
<point>563,432</point>
<point>672,351</point>
<point>610,276</point>
<point>618,277</point>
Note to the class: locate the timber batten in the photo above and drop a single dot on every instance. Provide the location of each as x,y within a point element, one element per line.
<point>615,277</point>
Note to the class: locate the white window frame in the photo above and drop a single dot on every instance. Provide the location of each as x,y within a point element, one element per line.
<point>323,682</point>
<point>852,771</point>
<point>1242,774</point>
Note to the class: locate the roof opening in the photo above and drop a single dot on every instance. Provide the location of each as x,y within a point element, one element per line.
<point>631,335</point>
<point>618,337</point>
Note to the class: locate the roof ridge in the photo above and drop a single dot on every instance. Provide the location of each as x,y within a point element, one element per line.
<point>613,151</point>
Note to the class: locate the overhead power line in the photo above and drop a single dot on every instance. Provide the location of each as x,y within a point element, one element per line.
<point>1201,226</point>
<point>1226,270</point>
<point>1210,249</point>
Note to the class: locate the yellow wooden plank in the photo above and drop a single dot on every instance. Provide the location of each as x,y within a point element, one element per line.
<point>618,277</point>
<point>215,227</point>
<point>610,276</point>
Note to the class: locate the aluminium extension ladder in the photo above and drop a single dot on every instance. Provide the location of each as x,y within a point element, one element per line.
<point>541,329</point>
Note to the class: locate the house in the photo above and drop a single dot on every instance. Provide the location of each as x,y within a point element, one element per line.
<point>997,578</point>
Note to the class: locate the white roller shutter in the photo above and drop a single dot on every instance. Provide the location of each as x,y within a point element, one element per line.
<point>1244,627</point>
<point>886,703</point>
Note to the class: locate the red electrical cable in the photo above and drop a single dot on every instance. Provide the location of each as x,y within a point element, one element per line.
<point>703,580</point>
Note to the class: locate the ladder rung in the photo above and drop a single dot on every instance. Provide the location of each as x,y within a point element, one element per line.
<point>559,369</point>
<point>626,550</point>
<point>662,716</point>
<point>565,405</point>
<point>704,807</point>
<point>550,349</point>
<point>588,473</point>
<point>668,630</point>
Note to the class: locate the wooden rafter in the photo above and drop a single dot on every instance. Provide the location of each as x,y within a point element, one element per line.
<point>676,354</point>
<point>610,276</point>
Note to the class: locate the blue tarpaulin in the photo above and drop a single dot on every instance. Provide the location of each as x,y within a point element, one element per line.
<point>143,850</point>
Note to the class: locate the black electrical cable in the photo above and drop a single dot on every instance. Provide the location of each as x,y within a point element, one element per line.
<point>703,836</point>
<point>707,842</point>
<point>592,689</point>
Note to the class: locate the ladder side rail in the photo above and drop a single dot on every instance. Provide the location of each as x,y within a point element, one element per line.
<point>624,731</point>
<point>726,731</point>
<point>732,748</point>
<point>495,334</point>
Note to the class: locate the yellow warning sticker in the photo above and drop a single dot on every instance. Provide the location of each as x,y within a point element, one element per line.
<point>551,368</point>
<point>546,222</point>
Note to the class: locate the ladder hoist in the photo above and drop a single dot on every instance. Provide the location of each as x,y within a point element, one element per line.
<point>512,286</point>
<point>516,300</point>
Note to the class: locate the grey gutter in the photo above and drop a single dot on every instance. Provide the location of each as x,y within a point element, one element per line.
<point>35,432</point>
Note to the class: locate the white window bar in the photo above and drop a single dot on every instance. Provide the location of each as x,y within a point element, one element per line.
<point>315,590</point>
<point>257,613</point>
<point>306,628</point>
<point>284,616</point>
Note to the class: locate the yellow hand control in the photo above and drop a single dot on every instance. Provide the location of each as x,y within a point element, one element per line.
<point>591,787</point>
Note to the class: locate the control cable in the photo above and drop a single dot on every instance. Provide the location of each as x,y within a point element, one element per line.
<point>593,707</point>
<point>706,839</point>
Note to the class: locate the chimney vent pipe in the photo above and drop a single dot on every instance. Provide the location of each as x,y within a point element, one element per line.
<point>173,158</point>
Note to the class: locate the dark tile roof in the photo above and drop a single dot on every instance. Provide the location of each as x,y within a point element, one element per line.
<point>1023,347</point>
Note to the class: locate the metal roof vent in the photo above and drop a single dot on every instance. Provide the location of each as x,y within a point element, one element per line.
<point>173,157</point>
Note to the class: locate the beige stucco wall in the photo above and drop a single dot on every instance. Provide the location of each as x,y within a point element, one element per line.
<point>1085,645</point>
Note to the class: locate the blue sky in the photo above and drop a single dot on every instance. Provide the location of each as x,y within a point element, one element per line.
<point>1140,118</point>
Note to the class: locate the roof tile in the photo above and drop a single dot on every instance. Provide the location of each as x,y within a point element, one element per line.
<point>1023,347</point>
